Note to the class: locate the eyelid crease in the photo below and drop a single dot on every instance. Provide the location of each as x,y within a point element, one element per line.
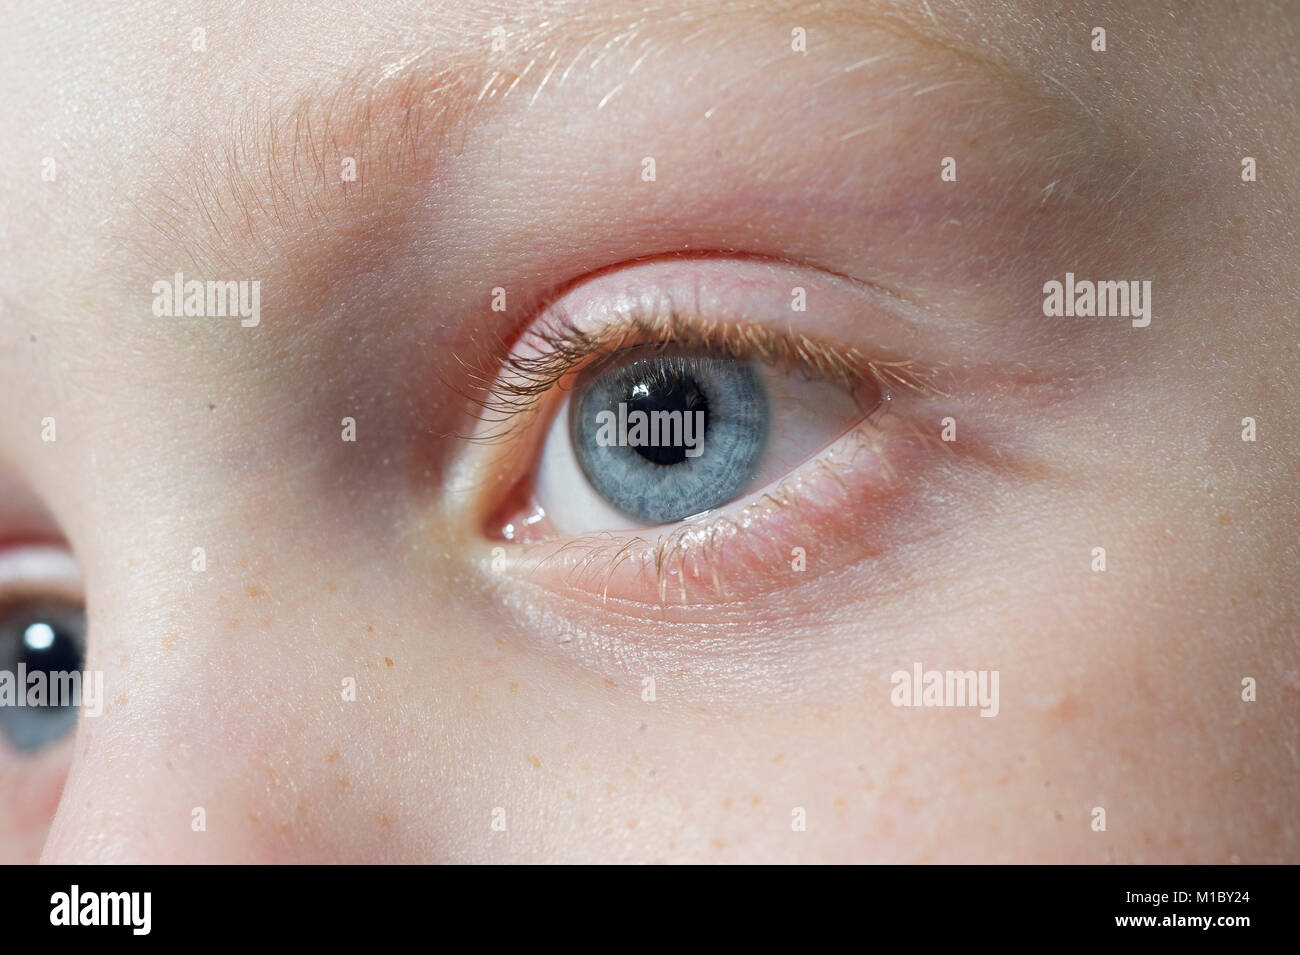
<point>560,350</point>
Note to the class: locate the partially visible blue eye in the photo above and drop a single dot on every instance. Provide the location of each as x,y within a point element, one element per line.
<point>41,644</point>
<point>663,436</point>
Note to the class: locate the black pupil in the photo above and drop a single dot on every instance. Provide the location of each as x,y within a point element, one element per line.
<point>667,389</point>
<point>47,646</point>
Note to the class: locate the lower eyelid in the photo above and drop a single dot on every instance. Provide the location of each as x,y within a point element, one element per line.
<point>825,507</point>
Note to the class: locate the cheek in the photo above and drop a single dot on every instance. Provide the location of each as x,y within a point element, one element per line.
<point>219,710</point>
<point>256,716</point>
<point>34,800</point>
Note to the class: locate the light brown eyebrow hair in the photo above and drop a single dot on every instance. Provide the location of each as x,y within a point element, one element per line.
<point>274,175</point>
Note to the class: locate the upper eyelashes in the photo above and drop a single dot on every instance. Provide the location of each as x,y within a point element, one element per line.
<point>554,354</point>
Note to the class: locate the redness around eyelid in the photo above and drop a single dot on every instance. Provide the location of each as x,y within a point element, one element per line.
<point>838,507</point>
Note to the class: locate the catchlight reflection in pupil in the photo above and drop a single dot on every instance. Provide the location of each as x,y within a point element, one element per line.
<point>663,437</point>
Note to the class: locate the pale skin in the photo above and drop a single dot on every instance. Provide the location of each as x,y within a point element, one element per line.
<point>492,685</point>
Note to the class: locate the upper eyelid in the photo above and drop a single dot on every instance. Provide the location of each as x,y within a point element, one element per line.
<point>270,173</point>
<point>36,569</point>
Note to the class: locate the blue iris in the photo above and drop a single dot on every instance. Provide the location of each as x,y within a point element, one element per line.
<point>664,436</point>
<point>39,641</point>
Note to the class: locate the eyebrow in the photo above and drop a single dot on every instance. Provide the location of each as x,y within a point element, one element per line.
<point>279,169</point>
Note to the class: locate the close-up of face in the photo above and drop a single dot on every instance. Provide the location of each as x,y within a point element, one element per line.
<point>650,431</point>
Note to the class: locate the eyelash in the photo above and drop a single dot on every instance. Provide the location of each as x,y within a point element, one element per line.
<point>564,349</point>
<point>560,351</point>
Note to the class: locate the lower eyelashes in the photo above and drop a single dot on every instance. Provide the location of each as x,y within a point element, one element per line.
<point>786,467</point>
<point>840,507</point>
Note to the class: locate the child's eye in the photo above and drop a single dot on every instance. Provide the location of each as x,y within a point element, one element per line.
<point>674,418</point>
<point>658,436</point>
<point>42,644</point>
